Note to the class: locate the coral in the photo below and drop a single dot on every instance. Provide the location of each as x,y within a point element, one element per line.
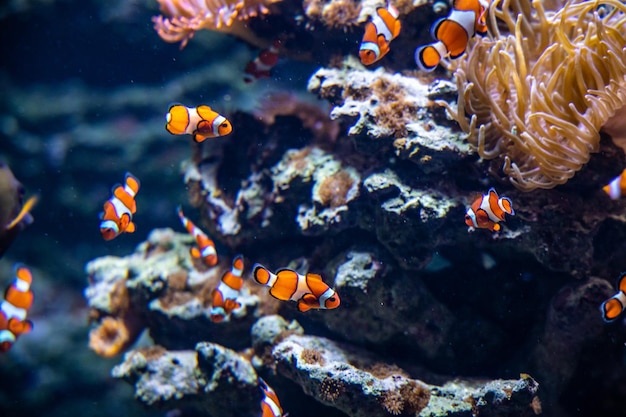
<point>155,285</point>
<point>538,96</point>
<point>330,389</point>
<point>312,356</point>
<point>343,383</point>
<point>333,190</point>
<point>393,109</point>
<point>185,17</point>
<point>113,336</point>
<point>211,380</point>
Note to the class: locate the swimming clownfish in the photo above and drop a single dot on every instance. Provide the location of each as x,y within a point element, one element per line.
<point>270,406</point>
<point>261,66</point>
<point>117,217</point>
<point>487,211</point>
<point>14,211</point>
<point>309,291</point>
<point>17,301</point>
<point>614,306</point>
<point>206,247</point>
<point>201,122</point>
<point>379,32</point>
<point>452,33</point>
<point>225,295</point>
<point>617,187</point>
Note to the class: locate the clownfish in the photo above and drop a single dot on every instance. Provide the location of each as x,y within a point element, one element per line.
<point>614,306</point>
<point>487,211</point>
<point>14,211</point>
<point>379,32</point>
<point>17,301</point>
<point>616,188</point>
<point>206,247</point>
<point>226,294</point>
<point>309,291</point>
<point>468,17</point>
<point>261,66</point>
<point>201,122</point>
<point>117,217</point>
<point>270,406</point>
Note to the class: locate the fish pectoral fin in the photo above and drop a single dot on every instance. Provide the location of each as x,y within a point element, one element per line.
<point>396,29</point>
<point>20,326</point>
<point>130,228</point>
<point>26,208</point>
<point>303,306</point>
<point>231,305</point>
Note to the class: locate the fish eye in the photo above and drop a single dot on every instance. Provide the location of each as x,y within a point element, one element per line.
<point>332,299</point>
<point>224,125</point>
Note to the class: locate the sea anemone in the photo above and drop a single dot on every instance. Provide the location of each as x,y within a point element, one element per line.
<point>538,95</point>
<point>184,17</point>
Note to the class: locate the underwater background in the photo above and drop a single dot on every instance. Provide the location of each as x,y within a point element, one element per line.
<point>361,174</point>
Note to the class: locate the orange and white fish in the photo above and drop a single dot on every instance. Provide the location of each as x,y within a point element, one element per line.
<point>17,301</point>
<point>201,122</point>
<point>270,406</point>
<point>117,217</point>
<point>614,306</point>
<point>226,294</point>
<point>309,291</point>
<point>617,187</point>
<point>206,247</point>
<point>487,211</point>
<point>468,17</point>
<point>261,66</point>
<point>379,32</point>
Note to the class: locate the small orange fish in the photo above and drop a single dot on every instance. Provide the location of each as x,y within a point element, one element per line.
<point>226,294</point>
<point>270,406</point>
<point>17,301</point>
<point>261,66</point>
<point>452,33</point>
<point>206,247</point>
<point>487,211</point>
<point>117,217</point>
<point>379,32</point>
<point>201,122</point>
<point>309,291</point>
<point>614,306</point>
<point>617,187</point>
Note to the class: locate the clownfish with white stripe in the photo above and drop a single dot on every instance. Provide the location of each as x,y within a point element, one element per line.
<point>379,32</point>
<point>261,66</point>
<point>226,294</point>
<point>117,217</point>
<point>206,247</point>
<point>487,211</point>
<point>617,187</point>
<point>309,291</point>
<point>270,406</point>
<point>17,301</point>
<point>613,307</point>
<point>468,18</point>
<point>200,122</point>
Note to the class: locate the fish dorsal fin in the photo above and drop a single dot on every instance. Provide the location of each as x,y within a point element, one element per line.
<point>26,208</point>
<point>621,282</point>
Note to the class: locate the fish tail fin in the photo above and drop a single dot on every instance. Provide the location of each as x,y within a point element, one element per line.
<point>261,274</point>
<point>26,208</point>
<point>427,57</point>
